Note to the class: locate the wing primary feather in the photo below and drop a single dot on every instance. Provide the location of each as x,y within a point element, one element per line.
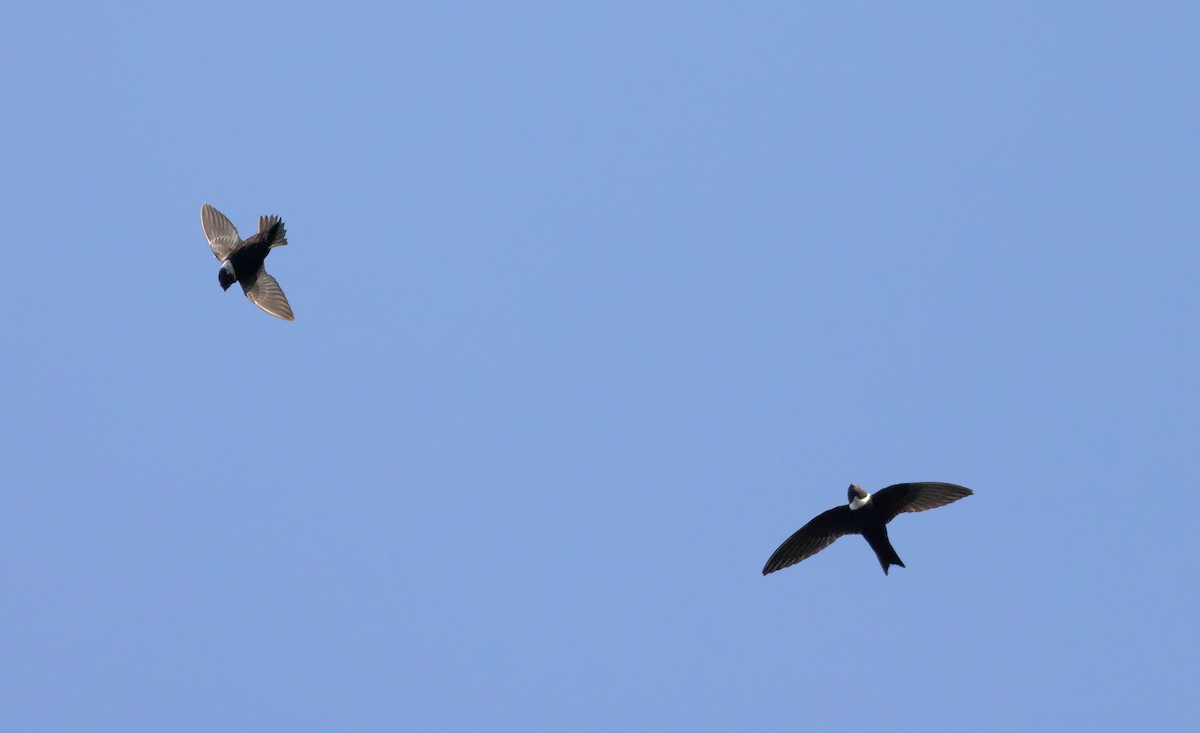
<point>916,497</point>
<point>819,533</point>
<point>221,234</point>
<point>266,294</point>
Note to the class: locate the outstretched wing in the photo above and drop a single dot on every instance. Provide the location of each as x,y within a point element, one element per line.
<point>811,538</point>
<point>266,294</point>
<point>222,235</point>
<point>916,497</point>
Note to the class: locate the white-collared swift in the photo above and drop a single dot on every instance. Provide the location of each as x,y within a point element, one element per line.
<point>867,515</point>
<point>242,261</point>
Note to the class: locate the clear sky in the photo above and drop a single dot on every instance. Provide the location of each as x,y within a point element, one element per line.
<point>595,305</point>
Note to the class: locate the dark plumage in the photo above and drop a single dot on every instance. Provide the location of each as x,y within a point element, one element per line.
<point>242,261</point>
<point>867,515</point>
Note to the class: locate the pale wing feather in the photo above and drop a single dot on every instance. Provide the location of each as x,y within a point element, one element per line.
<point>222,235</point>
<point>266,294</point>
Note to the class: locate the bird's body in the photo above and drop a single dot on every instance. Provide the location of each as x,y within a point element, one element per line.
<point>242,261</point>
<point>867,515</point>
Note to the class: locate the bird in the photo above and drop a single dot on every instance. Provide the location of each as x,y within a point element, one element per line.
<point>865,514</point>
<point>242,261</point>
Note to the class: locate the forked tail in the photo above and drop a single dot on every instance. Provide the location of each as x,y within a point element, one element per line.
<point>273,231</point>
<point>879,542</point>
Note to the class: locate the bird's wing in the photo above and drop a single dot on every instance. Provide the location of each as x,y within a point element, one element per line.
<point>915,497</point>
<point>811,538</point>
<point>266,294</point>
<point>222,235</point>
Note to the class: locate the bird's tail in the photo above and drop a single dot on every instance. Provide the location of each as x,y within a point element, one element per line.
<point>275,234</point>
<point>879,542</point>
<point>893,560</point>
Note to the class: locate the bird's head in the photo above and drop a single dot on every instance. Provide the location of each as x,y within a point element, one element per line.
<point>857,496</point>
<point>226,275</point>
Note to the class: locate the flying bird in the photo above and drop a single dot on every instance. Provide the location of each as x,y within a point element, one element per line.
<point>867,515</point>
<point>242,261</point>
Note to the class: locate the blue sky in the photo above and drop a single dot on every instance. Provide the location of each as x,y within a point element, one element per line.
<point>595,305</point>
